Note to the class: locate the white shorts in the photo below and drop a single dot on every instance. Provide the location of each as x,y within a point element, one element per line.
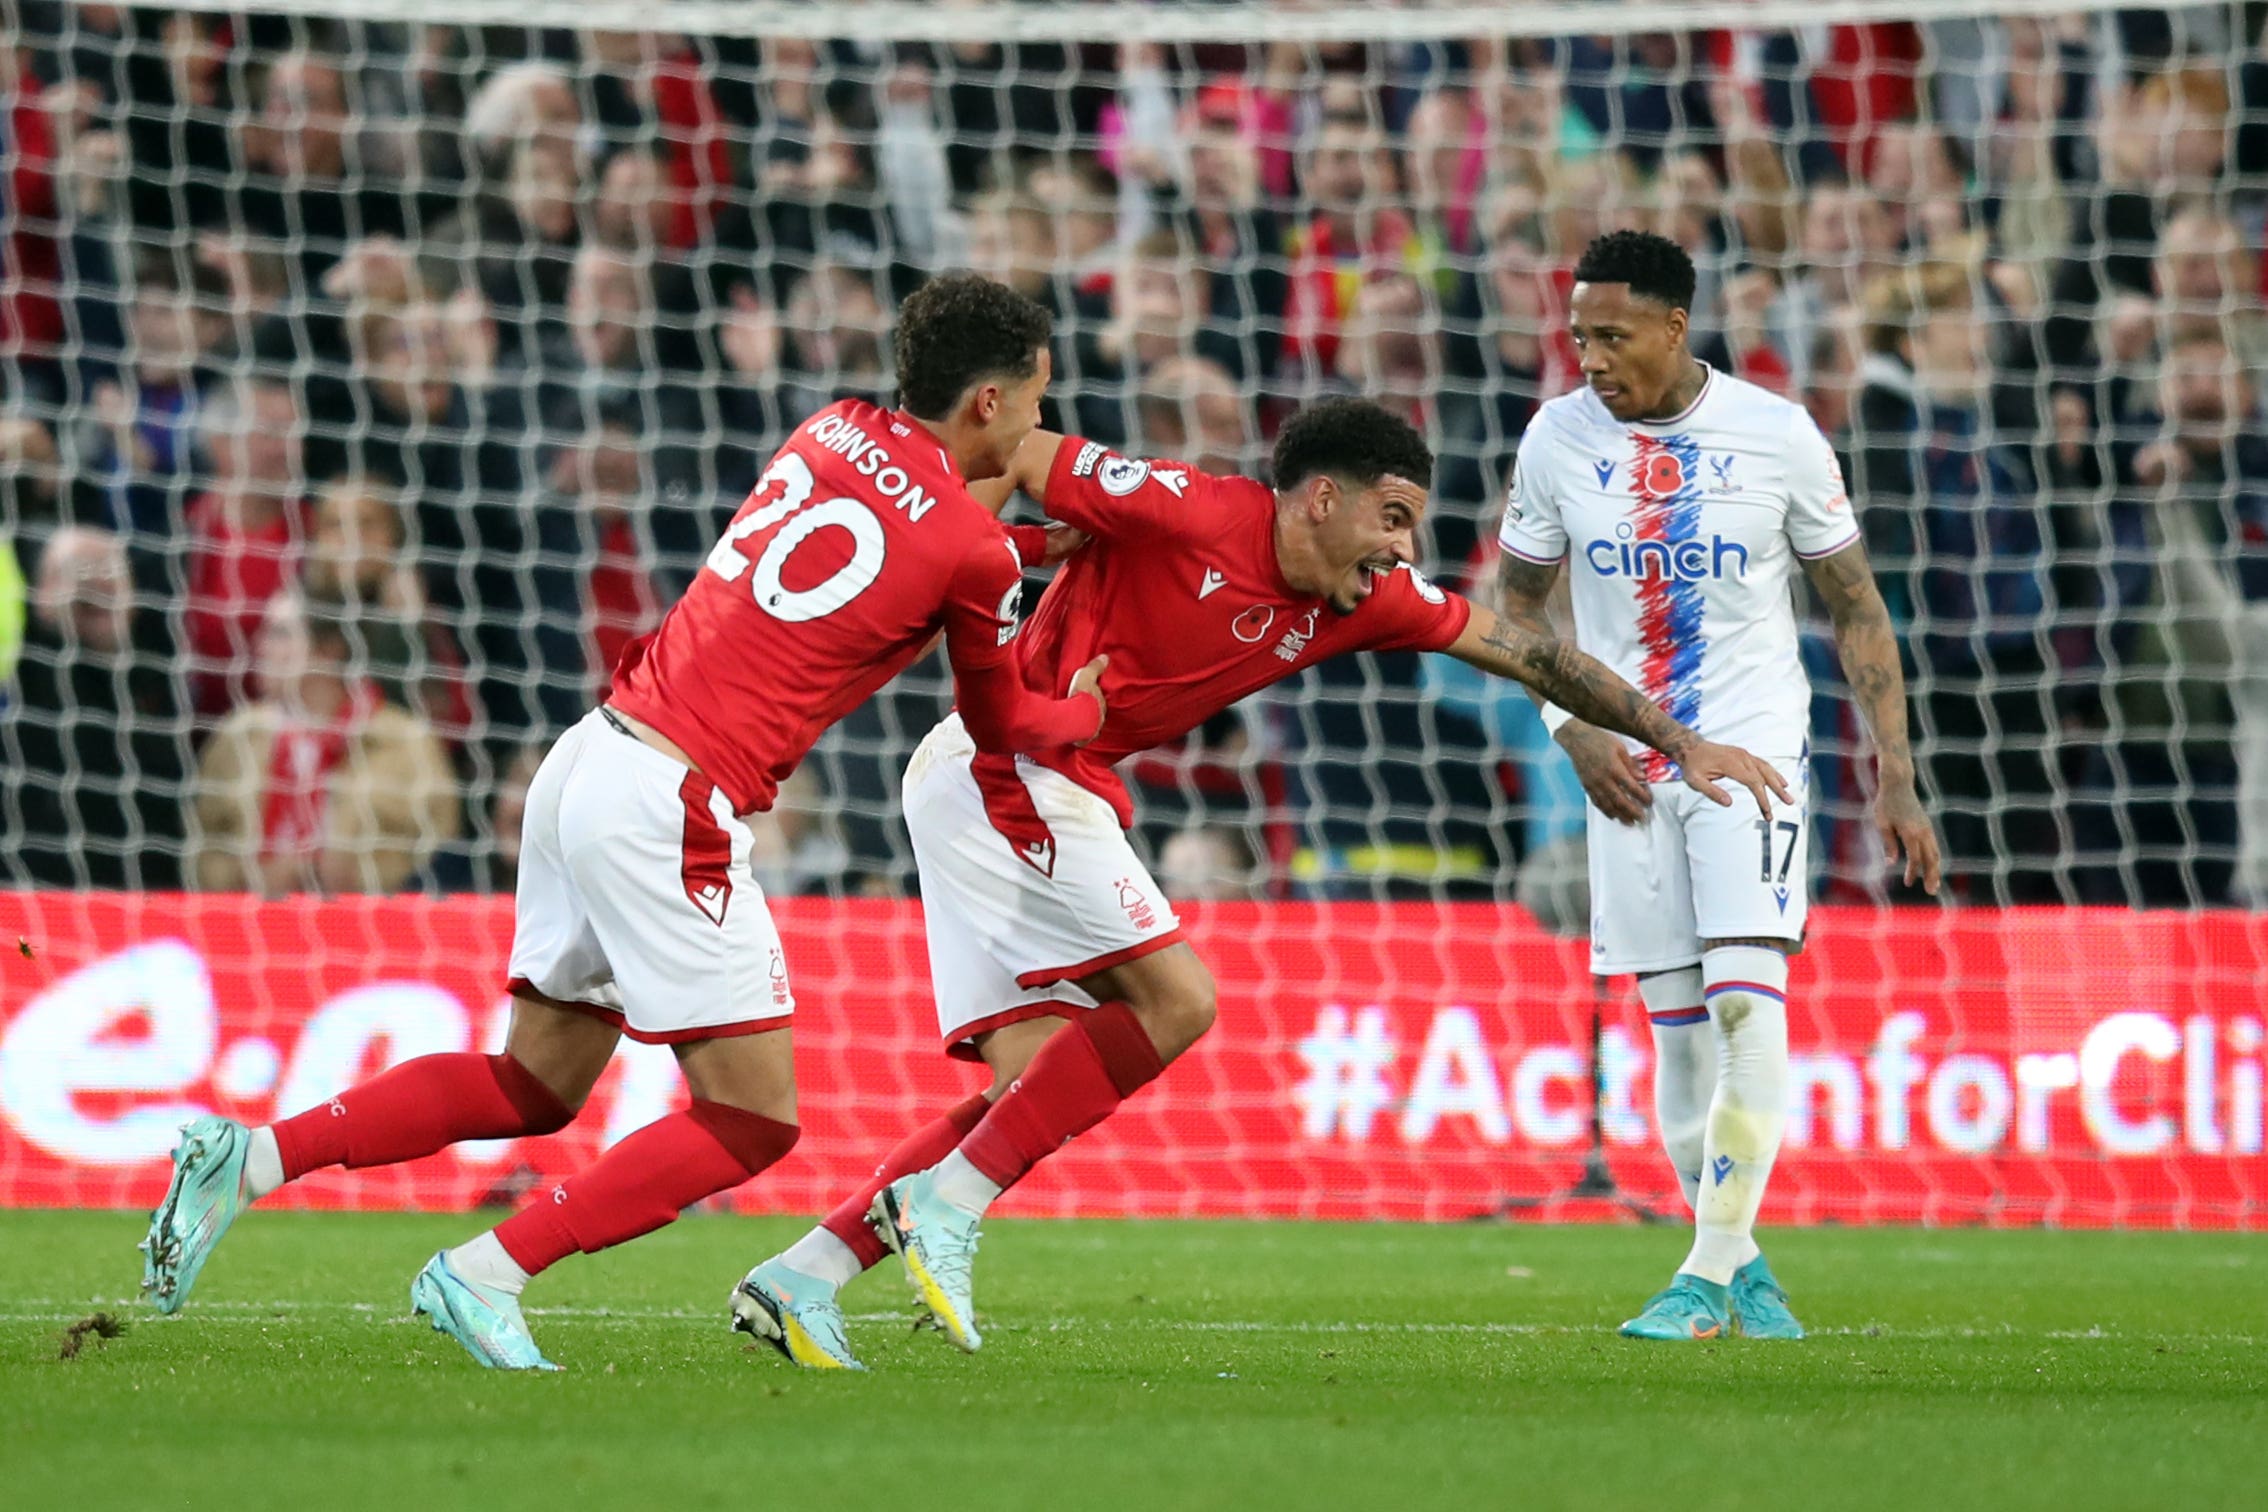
<point>1014,924</point>
<point>636,902</point>
<point>1692,871</point>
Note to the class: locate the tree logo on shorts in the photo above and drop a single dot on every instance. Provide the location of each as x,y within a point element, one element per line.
<point>1138,910</point>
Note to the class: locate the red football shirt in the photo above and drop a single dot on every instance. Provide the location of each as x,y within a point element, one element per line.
<point>859,544</point>
<point>1181,587</point>
<point>233,573</point>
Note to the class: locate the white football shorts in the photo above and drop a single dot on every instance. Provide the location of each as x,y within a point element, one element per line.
<point>1014,924</point>
<point>636,901</point>
<point>1692,871</point>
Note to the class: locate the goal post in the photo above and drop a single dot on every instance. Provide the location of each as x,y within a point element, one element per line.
<point>450,335</point>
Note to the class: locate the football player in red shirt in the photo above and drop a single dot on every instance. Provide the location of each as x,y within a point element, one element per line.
<point>637,910</point>
<point>1055,959</point>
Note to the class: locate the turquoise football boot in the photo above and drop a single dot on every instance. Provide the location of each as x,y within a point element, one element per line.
<point>201,1201</point>
<point>937,1243</point>
<point>1689,1308</point>
<point>1760,1305</point>
<point>486,1322</point>
<point>796,1314</point>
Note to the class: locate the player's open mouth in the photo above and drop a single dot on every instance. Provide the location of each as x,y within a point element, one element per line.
<point>1366,578</point>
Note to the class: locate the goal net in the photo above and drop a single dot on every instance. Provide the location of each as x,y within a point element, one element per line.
<point>434,344</point>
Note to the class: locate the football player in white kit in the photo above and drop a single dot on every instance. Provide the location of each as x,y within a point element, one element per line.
<point>1684,499</point>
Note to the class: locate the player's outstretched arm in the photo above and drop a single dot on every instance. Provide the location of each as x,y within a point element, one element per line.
<point>1587,688</point>
<point>1534,596</point>
<point>1868,647</point>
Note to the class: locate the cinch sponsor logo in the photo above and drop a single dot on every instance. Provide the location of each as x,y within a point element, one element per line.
<point>1679,561</point>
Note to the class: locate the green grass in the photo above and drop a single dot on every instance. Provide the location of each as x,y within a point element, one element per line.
<point>1171,1365</point>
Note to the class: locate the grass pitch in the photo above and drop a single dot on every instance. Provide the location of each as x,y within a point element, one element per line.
<point>1169,1365</point>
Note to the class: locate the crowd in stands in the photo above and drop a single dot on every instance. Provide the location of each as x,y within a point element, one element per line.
<point>369,386</point>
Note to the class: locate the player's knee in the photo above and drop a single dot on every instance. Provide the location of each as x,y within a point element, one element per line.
<point>542,1107</point>
<point>1183,1018</point>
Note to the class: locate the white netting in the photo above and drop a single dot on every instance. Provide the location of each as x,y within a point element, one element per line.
<point>474,327</point>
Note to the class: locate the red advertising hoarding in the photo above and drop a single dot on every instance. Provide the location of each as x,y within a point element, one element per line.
<point>2063,1066</point>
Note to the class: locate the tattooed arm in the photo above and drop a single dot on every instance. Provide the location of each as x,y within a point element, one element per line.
<point>1587,688</point>
<point>1868,648</point>
<point>1534,596</point>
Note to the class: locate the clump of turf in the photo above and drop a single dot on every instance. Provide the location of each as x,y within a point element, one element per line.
<point>104,1326</point>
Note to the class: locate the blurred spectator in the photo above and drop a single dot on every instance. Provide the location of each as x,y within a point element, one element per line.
<point>2167,134</point>
<point>1238,239</point>
<point>1009,239</point>
<point>818,191</point>
<point>1149,314</point>
<point>654,99</point>
<point>359,555</point>
<point>149,413</point>
<point>1963,554</point>
<point>835,344</point>
<point>1445,167</point>
<point>1390,345</point>
<point>93,733</point>
<point>1849,239</point>
<point>524,233</point>
<point>2188,708</point>
<point>45,132</point>
<point>308,195</point>
<point>1508,323</point>
<point>1189,409</point>
<point>321,785</point>
<point>1081,201</point>
<point>1353,232</point>
<point>244,532</point>
<point>2208,285</point>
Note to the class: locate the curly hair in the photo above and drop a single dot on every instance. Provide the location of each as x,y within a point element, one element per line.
<point>1352,440</point>
<point>1655,267</point>
<point>963,329</point>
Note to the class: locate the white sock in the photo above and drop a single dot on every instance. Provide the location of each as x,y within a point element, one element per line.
<point>1685,1069</point>
<point>1747,991</point>
<point>263,1165</point>
<point>484,1262</point>
<point>963,1185</point>
<point>823,1257</point>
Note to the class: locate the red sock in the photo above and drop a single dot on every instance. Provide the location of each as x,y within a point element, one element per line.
<point>918,1151</point>
<point>417,1108</point>
<point>645,1182</point>
<point>1077,1080</point>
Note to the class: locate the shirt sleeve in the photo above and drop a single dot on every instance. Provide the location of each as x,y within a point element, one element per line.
<point>1030,542</point>
<point>1533,528</point>
<point>981,621</point>
<point>1121,498</point>
<point>1412,613</point>
<point>1821,521</point>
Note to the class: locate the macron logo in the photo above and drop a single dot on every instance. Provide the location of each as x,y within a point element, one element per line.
<point>1214,582</point>
<point>1722,1168</point>
<point>1039,856</point>
<point>710,900</point>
